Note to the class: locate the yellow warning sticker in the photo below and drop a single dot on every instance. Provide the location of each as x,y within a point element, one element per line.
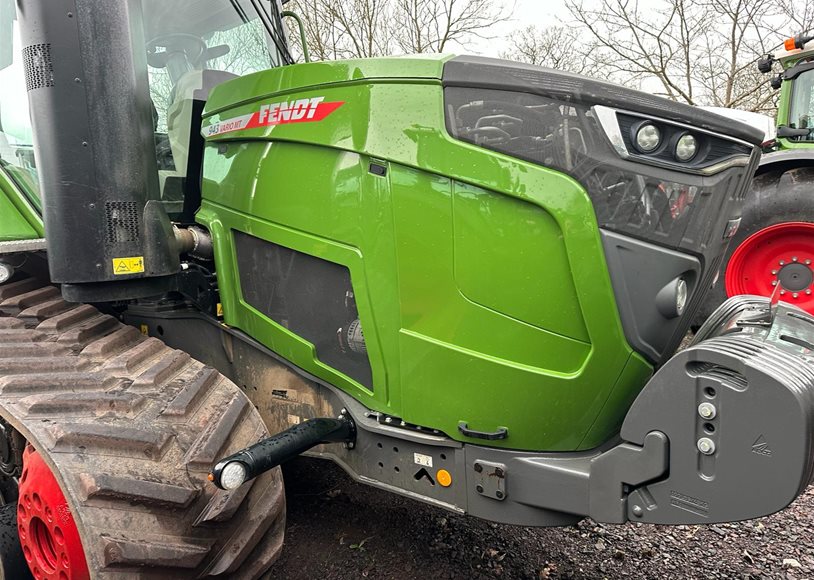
<point>145,330</point>
<point>134,265</point>
<point>219,309</point>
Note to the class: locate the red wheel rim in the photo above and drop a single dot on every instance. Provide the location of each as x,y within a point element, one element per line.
<point>48,533</point>
<point>779,255</point>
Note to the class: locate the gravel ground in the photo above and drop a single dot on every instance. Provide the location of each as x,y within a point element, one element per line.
<point>338,529</point>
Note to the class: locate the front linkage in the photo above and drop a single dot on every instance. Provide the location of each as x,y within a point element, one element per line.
<point>723,432</point>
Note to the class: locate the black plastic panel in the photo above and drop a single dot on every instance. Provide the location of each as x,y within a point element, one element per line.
<point>311,297</point>
<point>489,73</point>
<point>662,205</point>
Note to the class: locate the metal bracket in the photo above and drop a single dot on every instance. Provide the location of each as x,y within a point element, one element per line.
<point>14,246</point>
<point>490,479</point>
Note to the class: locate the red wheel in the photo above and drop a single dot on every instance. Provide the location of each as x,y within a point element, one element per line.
<point>48,533</point>
<point>779,255</point>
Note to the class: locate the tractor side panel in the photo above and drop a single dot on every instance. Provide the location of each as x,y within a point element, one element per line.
<point>18,220</point>
<point>480,280</point>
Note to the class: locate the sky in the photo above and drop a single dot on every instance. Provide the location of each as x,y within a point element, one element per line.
<point>541,13</point>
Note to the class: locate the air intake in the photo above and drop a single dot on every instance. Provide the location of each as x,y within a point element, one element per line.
<point>107,234</point>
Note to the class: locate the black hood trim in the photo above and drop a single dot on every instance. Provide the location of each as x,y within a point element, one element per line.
<point>491,73</point>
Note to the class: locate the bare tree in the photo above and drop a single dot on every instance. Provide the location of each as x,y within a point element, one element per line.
<point>365,28</point>
<point>432,25</point>
<point>362,23</point>
<point>555,47</point>
<point>800,15</point>
<point>699,51</point>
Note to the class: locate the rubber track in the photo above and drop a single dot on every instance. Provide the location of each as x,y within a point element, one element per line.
<point>130,427</point>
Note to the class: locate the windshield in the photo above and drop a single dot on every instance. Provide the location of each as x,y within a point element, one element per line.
<point>16,149</point>
<point>187,37</point>
<point>801,111</point>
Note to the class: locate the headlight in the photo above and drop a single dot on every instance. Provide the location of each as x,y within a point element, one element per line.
<point>686,147</point>
<point>681,296</point>
<point>671,300</point>
<point>6,272</point>
<point>233,475</point>
<point>648,138</point>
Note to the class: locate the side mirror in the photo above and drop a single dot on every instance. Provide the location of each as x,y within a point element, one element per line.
<point>7,15</point>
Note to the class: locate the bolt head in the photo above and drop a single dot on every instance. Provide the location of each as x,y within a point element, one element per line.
<point>794,258</point>
<point>707,411</point>
<point>795,295</point>
<point>388,420</point>
<point>782,292</point>
<point>808,292</point>
<point>774,272</point>
<point>499,494</point>
<point>782,262</point>
<point>808,262</point>
<point>706,446</point>
<point>478,467</point>
<point>479,488</point>
<point>638,511</point>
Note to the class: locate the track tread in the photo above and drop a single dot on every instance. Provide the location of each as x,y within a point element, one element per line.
<point>131,426</point>
<point>101,485</point>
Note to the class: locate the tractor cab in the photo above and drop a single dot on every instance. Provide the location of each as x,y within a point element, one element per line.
<point>795,116</point>
<point>190,47</point>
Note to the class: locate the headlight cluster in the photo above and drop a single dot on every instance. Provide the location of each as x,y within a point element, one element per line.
<point>648,139</point>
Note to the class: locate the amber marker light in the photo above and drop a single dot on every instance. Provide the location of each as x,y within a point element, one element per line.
<point>444,478</point>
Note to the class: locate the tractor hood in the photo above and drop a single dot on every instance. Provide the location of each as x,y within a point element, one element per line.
<point>472,71</point>
<point>300,77</point>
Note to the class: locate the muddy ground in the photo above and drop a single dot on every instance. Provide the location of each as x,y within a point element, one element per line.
<point>338,529</point>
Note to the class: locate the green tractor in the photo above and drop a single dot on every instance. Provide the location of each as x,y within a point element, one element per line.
<point>774,247</point>
<point>463,280</point>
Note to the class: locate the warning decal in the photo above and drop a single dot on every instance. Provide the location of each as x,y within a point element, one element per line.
<point>134,265</point>
<point>282,113</point>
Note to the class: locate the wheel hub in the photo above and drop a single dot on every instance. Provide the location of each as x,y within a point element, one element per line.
<point>795,277</point>
<point>48,533</point>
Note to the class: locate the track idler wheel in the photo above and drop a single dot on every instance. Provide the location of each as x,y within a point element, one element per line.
<point>48,533</point>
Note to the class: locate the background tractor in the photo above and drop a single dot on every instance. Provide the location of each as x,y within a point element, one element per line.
<point>463,280</point>
<point>774,247</point>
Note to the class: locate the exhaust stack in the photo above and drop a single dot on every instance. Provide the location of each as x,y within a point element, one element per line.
<point>107,234</point>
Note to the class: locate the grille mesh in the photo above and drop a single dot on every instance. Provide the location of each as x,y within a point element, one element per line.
<point>121,219</point>
<point>39,68</point>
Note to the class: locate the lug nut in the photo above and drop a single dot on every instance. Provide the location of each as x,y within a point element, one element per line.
<point>707,411</point>
<point>782,292</point>
<point>794,295</point>
<point>774,272</point>
<point>774,282</point>
<point>794,258</point>
<point>782,262</point>
<point>706,446</point>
